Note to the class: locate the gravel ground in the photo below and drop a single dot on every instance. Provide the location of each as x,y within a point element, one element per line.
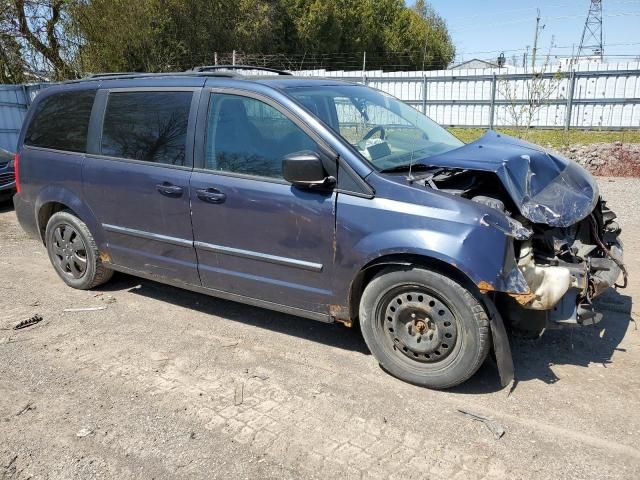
<point>164,383</point>
<point>620,159</point>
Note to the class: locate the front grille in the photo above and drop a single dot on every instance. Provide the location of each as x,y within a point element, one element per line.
<point>6,178</point>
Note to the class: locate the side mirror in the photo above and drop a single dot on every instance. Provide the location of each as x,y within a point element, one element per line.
<point>305,170</point>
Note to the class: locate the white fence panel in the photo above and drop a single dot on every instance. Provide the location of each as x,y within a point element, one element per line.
<point>599,96</point>
<point>603,95</point>
<point>14,101</point>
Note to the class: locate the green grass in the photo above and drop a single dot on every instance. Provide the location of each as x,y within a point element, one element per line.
<point>555,138</point>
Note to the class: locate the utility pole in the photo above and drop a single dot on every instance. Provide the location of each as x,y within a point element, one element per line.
<point>424,54</point>
<point>592,32</point>
<point>572,62</point>
<point>364,67</point>
<point>535,41</point>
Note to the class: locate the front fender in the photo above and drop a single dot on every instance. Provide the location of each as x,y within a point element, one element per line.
<point>451,232</point>
<point>482,254</point>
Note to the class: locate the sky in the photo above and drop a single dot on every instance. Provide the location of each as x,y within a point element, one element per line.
<point>484,28</point>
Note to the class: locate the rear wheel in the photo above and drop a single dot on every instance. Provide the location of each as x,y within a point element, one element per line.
<point>423,327</point>
<point>73,252</point>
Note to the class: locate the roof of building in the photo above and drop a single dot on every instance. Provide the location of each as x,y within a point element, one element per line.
<point>471,62</point>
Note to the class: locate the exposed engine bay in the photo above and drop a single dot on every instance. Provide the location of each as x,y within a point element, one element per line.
<point>565,267</point>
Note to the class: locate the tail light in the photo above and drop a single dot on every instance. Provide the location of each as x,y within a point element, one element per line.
<point>16,157</point>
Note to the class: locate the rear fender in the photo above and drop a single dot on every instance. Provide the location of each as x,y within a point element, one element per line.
<point>72,201</point>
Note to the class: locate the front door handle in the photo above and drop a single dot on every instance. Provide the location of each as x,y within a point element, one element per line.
<point>211,195</point>
<point>168,189</point>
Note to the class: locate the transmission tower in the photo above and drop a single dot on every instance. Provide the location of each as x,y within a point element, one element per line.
<point>592,33</point>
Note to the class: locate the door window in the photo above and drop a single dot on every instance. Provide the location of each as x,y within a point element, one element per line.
<point>248,136</point>
<point>149,126</point>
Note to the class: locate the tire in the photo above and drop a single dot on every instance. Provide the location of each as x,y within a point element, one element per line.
<point>73,252</point>
<point>423,327</point>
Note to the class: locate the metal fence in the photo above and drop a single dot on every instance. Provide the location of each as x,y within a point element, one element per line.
<point>587,96</point>
<point>14,102</point>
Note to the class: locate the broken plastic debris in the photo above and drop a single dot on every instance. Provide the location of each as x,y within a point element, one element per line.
<point>87,309</point>
<point>29,406</point>
<point>238,397</point>
<point>84,432</point>
<point>513,228</point>
<point>493,427</point>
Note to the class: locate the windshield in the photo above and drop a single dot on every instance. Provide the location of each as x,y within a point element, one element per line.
<point>387,132</point>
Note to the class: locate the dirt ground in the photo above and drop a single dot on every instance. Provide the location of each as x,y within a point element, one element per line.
<point>164,383</point>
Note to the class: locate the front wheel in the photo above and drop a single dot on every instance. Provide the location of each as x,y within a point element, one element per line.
<point>423,327</point>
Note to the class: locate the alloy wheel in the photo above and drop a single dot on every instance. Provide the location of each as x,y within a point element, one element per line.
<point>69,250</point>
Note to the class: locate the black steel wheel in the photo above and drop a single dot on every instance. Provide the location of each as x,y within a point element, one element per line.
<point>73,252</point>
<point>423,327</point>
<point>419,324</point>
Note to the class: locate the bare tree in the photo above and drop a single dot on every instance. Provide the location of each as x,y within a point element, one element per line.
<point>523,105</point>
<point>11,63</point>
<point>38,28</point>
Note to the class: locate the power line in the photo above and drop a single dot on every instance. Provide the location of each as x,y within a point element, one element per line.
<point>530,9</point>
<point>555,47</point>
<point>476,26</point>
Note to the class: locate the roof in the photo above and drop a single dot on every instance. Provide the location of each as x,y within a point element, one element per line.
<point>474,63</point>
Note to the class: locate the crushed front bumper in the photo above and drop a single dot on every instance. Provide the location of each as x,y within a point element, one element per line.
<point>565,270</point>
<point>576,307</point>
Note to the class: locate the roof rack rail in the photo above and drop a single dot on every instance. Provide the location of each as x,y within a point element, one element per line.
<point>210,68</point>
<point>111,74</point>
<point>131,75</point>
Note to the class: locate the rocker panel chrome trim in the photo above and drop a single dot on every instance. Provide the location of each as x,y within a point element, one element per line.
<point>289,262</point>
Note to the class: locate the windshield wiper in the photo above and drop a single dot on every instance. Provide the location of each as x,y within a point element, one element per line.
<point>405,168</point>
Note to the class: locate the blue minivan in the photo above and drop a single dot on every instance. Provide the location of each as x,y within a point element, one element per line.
<point>318,198</point>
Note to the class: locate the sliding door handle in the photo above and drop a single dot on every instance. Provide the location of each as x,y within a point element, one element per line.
<point>211,195</point>
<point>169,189</point>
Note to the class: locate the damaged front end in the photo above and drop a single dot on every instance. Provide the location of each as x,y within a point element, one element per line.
<point>566,245</point>
<point>565,269</point>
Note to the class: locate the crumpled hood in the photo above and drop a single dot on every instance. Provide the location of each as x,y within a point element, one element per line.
<point>546,188</point>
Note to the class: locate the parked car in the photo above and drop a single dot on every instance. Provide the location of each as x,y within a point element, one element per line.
<point>7,175</point>
<point>317,198</point>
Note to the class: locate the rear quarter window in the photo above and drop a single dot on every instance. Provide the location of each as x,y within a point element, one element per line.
<point>61,121</point>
